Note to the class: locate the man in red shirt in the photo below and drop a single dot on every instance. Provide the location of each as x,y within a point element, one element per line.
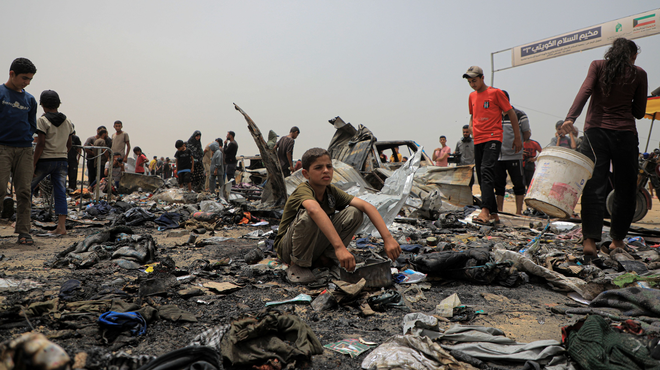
<point>486,106</point>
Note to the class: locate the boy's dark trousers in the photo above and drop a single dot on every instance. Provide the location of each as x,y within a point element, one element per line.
<point>485,159</point>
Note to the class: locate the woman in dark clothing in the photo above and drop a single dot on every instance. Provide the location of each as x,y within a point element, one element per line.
<point>618,95</point>
<point>195,146</point>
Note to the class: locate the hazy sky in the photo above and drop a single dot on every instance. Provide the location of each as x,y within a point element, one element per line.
<point>167,68</point>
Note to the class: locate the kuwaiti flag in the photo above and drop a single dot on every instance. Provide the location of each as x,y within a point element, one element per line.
<point>643,21</point>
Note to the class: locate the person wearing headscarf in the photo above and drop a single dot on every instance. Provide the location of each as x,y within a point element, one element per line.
<point>195,146</point>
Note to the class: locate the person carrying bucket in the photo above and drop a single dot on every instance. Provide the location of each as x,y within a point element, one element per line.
<point>486,106</point>
<point>618,90</point>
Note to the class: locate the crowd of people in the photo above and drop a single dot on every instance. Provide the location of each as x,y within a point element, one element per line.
<point>195,168</point>
<point>617,90</point>
<point>32,149</point>
<point>497,141</point>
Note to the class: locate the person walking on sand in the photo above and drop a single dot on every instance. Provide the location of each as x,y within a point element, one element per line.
<point>18,122</point>
<point>486,106</point>
<point>194,145</point>
<point>121,143</point>
<point>54,132</point>
<point>465,147</point>
<point>217,168</point>
<point>284,150</point>
<point>617,89</point>
<point>511,162</point>
<point>185,164</point>
<point>73,159</point>
<point>230,150</point>
<point>140,160</point>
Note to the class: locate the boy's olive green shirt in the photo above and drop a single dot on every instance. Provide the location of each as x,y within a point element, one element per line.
<point>334,200</point>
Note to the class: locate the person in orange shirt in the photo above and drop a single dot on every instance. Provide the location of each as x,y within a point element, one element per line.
<point>486,105</point>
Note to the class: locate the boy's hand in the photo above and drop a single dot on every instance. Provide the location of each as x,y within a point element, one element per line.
<point>392,248</point>
<point>346,259</point>
<point>517,145</point>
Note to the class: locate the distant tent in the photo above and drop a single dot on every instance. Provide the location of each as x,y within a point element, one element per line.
<point>653,108</point>
<point>652,113</point>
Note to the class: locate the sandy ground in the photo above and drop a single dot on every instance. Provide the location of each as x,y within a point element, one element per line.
<point>523,313</point>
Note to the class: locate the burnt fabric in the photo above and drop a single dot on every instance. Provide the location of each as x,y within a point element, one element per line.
<point>632,301</point>
<point>471,265</point>
<point>254,340</point>
<point>169,220</point>
<point>595,346</point>
<point>135,216</point>
<point>187,358</point>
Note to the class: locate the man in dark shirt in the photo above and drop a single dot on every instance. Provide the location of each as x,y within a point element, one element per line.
<point>91,160</point>
<point>284,149</point>
<point>231,148</point>
<point>184,164</point>
<point>72,158</point>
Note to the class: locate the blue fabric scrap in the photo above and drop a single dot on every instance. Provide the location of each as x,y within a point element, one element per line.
<point>411,247</point>
<point>132,321</point>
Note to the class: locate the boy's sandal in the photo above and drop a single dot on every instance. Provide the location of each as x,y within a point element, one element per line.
<point>299,275</point>
<point>25,239</point>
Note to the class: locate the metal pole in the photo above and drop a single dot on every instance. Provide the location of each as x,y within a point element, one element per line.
<point>112,179</point>
<point>82,180</point>
<point>649,138</point>
<point>97,189</point>
<point>492,69</point>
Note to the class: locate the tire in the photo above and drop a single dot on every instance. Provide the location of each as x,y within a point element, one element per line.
<point>641,207</point>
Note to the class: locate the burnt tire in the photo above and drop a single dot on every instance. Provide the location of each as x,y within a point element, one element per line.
<point>641,207</point>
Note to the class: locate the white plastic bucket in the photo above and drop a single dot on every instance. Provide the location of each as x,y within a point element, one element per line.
<point>558,182</point>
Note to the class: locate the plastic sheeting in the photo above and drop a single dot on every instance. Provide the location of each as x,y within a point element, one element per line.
<point>345,177</point>
<point>411,352</point>
<point>486,343</point>
<point>393,195</point>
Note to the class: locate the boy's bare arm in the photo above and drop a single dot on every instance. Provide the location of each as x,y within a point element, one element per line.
<point>128,150</point>
<point>41,144</point>
<point>321,219</point>
<point>517,142</point>
<point>391,246</point>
